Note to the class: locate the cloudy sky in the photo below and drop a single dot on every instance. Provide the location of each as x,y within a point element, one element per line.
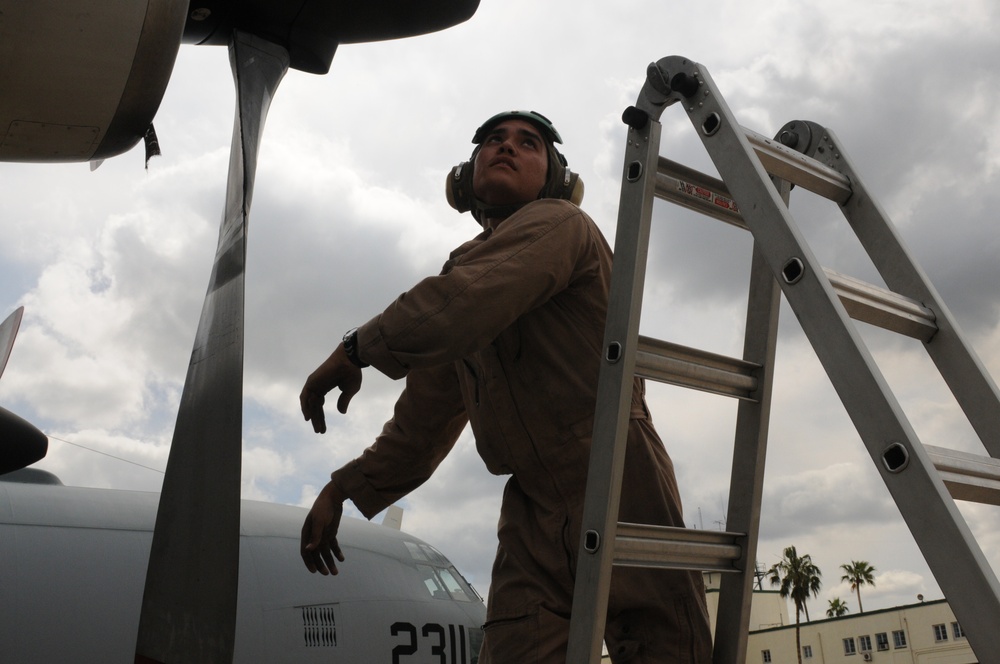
<point>349,211</point>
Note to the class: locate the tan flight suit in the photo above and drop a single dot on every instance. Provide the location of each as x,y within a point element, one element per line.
<point>508,337</point>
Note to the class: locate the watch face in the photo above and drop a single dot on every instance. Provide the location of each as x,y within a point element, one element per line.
<point>351,348</point>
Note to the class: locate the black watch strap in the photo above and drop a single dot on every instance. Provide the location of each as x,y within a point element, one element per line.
<point>351,348</point>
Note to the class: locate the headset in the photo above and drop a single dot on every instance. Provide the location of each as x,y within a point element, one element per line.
<point>562,182</point>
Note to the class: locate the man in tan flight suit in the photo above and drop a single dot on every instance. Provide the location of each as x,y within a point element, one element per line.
<point>508,338</point>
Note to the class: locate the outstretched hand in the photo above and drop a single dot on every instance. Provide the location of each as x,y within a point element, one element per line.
<point>319,544</point>
<point>336,371</point>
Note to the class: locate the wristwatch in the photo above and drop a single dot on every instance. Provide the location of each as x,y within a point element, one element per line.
<point>351,348</point>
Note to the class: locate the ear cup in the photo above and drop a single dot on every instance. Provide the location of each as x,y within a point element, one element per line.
<point>564,184</point>
<point>576,189</point>
<point>458,187</point>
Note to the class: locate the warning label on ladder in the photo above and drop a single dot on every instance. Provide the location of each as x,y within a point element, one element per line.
<point>707,195</point>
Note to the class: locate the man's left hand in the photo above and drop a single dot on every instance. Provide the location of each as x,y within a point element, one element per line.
<point>319,546</point>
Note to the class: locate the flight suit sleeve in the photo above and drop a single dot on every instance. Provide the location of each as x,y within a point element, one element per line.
<point>428,418</point>
<point>533,255</point>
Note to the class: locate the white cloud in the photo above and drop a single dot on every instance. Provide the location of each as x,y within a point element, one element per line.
<point>263,465</point>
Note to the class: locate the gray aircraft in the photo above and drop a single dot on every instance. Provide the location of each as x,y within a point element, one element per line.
<point>73,563</point>
<point>195,574</point>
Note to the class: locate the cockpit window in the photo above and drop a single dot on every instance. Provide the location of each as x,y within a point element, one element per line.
<point>455,584</point>
<point>432,582</point>
<point>440,578</point>
<point>420,551</point>
<point>445,583</point>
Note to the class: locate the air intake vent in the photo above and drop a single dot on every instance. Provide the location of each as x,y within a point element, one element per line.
<point>319,626</point>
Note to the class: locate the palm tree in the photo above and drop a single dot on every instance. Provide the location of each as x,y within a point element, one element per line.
<point>798,578</point>
<point>837,608</point>
<point>858,573</point>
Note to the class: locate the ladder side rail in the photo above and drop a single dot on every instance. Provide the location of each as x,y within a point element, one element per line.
<point>943,536</point>
<point>746,484</point>
<point>614,393</point>
<point>960,366</point>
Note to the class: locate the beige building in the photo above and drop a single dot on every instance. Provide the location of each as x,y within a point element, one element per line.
<point>923,633</point>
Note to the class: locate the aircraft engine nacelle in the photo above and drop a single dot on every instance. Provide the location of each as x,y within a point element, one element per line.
<point>81,80</point>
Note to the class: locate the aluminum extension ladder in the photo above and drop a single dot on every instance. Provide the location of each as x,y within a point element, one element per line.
<point>756,174</point>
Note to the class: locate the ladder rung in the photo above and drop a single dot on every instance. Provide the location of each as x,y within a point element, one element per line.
<point>970,477</point>
<point>689,367</point>
<point>696,191</point>
<point>702,193</point>
<point>708,195</point>
<point>883,308</point>
<point>877,306</point>
<point>641,545</point>
<point>799,169</point>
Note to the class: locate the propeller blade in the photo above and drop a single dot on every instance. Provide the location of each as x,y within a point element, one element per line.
<point>21,444</point>
<point>189,603</point>
<point>8,330</point>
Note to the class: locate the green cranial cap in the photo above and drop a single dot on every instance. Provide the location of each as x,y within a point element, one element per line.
<point>535,118</point>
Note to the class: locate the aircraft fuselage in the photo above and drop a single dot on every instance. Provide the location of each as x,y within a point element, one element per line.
<point>73,563</point>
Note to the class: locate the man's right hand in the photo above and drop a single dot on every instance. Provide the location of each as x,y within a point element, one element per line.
<point>319,544</point>
<point>336,371</point>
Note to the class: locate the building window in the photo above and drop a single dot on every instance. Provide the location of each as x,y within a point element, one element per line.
<point>849,648</point>
<point>807,652</point>
<point>940,633</point>
<point>882,641</point>
<point>766,654</point>
<point>865,643</point>
<point>956,629</point>
<point>899,639</point>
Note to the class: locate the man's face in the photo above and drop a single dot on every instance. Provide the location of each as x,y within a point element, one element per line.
<point>512,165</point>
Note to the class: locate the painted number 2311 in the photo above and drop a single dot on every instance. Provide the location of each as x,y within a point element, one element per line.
<point>444,644</point>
